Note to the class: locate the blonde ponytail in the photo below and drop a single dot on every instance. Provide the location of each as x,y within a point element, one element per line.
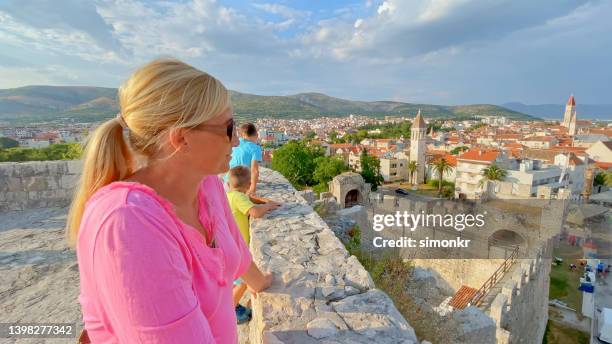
<point>106,159</point>
<point>161,95</point>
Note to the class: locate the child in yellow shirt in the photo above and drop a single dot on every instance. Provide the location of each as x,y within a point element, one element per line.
<point>243,207</point>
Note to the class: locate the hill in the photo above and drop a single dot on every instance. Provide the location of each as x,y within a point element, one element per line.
<point>85,104</point>
<point>555,111</point>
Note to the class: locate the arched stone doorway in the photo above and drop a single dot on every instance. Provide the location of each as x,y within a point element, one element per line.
<point>503,242</point>
<point>352,198</point>
<point>350,189</point>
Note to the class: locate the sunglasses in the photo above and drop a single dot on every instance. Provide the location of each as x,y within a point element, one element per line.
<point>229,128</point>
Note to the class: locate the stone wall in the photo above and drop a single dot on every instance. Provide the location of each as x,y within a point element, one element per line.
<point>520,311</point>
<point>320,293</point>
<point>458,272</point>
<point>37,184</point>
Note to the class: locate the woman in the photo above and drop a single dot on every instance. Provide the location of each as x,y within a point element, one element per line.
<point>157,246</point>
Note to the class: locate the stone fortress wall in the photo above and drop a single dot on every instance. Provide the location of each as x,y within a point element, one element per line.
<point>320,293</point>
<point>520,308</point>
<point>37,184</point>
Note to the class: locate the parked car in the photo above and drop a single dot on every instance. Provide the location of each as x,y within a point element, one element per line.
<point>401,191</point>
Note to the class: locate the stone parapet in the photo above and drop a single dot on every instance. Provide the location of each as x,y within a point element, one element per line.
<point>320,293</point>
<point>525,293</point>
<point>37,184</point>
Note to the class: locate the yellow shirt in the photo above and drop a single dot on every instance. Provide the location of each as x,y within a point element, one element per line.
<point>240,204</point>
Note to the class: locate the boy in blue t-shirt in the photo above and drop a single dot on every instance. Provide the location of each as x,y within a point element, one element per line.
<point>247,154</point>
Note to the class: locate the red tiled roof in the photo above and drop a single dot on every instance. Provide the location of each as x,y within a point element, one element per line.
<point>341,145</point>
<point>479,154</point>
<point>463,296</point>
<point>603,165</point>
<point>571,100</point>
<point>539,138</point>
<point>568,149</point>
<point>574,161</point>
<point>513,145</point>
<point>508,136</point>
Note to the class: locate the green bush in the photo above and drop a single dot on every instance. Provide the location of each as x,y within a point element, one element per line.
<point>60,151</point>
<point>445,183</point>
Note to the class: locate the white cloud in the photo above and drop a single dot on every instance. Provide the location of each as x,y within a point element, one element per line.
<point>282,10</point>
<point>386,7</point>
<point>54,40</point>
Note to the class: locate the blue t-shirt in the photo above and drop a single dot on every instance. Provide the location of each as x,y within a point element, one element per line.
<point>244,154</point>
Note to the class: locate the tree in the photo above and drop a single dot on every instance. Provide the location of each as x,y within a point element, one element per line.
<point>333,136</point>
<point>603,178</point>
<point>458,150</point>
<point>412,167</point>
<point>60,151</point>
<point>326,169</point>
<point>296,161</point>
<point>310,135</point>
<point>600,179</point>
<point>370,169</point>
<point>441,167</point>
<point>7,142</point>
<point>492,173</point>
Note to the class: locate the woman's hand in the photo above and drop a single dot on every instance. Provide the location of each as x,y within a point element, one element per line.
<point>267,279</point>
<point>256,280</point>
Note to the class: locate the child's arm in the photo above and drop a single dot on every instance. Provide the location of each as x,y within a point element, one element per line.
<point>260,210</point>
<point>259,200</point>
<point>254,177</point>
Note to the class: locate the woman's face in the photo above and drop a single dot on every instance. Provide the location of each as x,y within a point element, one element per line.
<point>208,146</point>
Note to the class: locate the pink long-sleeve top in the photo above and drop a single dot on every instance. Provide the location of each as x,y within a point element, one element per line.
<point>147,277</point>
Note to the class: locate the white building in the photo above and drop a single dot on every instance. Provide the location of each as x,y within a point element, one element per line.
<point>601,151</point>
<point>523,180</point>
<point>393,169</point>
<point>539,142</point>
<point>574,169</point>
<point>470,165</point>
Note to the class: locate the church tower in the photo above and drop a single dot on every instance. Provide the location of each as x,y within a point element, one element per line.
<point>418,133</point>
<point>571,130</point>
<point>570,111</point>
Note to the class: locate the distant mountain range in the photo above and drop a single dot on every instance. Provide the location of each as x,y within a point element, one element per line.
<point>86,104</point>
<point>555,111</point>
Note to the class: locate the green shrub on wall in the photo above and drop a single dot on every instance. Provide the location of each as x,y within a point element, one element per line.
<point>60,151</point>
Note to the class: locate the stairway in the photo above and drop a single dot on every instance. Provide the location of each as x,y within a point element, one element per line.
<point>486,302</point>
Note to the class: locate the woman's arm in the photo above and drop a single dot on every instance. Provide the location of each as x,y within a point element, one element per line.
<point>144,282</point>
<point>257,280</point>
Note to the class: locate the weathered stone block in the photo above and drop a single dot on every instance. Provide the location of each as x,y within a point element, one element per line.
<point>69,181</point>
<point>74,166</point>
<point>321,328</point>
<point>14,184</point>
<point>36,183</point>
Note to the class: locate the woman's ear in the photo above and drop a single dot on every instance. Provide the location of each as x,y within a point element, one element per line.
<point>177,139</point>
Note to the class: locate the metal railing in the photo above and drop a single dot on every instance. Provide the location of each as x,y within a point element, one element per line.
<point>496,277</point>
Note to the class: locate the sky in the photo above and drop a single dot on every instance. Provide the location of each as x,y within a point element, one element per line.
<point>418,51</point>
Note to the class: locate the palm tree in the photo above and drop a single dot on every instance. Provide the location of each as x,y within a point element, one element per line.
<point>492,173</point>
<point>442,167</point>
<point>412,167</point>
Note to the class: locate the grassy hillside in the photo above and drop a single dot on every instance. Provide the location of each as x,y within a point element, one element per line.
<point>84,104</point>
